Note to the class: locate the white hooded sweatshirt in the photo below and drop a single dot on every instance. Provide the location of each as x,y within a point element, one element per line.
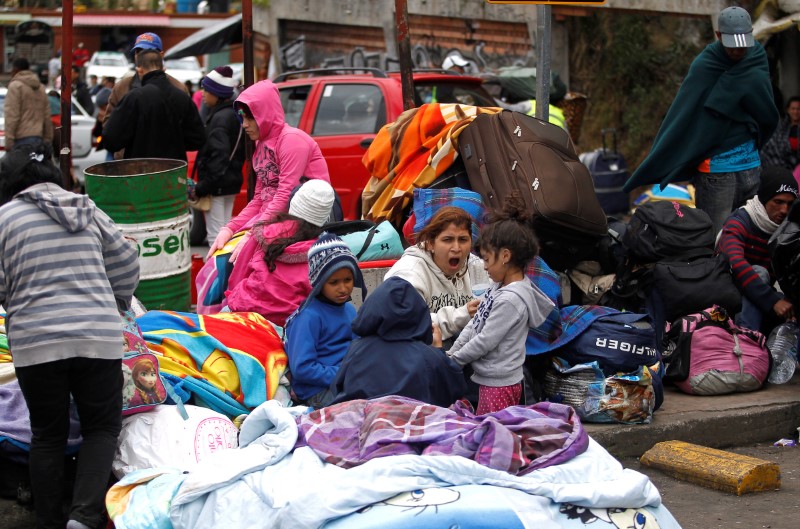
<point>446,298</point>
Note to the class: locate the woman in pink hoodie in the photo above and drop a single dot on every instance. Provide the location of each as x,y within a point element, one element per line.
<point>281,156</point>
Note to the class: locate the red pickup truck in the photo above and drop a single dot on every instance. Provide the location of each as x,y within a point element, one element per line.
<point>344,108</point>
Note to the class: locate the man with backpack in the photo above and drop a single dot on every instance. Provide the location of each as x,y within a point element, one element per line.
<point>744,242</point>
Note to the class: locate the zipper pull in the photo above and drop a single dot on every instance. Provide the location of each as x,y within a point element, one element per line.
<point>514,165</point>
<point>518,131</point>
<point>535,184</point>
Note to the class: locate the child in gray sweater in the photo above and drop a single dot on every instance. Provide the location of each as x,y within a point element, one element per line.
<point>493,342</point>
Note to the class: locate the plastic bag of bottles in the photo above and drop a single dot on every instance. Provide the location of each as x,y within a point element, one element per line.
<point>782,345</point>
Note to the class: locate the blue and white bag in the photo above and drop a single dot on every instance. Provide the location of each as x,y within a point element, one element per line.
<point>376,243</point>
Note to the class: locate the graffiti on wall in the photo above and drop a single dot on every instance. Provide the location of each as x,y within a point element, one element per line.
<point>298,54</point>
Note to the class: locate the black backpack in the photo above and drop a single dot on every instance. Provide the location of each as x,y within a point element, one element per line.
<point>661,231</point>
<point>784,250</point>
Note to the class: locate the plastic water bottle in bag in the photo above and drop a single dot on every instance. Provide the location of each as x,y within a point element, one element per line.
<point>782,345</point>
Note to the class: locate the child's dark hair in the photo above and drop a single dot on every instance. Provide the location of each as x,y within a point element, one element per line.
<point>511,228</point>
<point>273,249</point>
<point>24,166</point>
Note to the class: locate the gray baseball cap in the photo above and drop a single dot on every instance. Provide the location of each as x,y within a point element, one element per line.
<point>735,27</point>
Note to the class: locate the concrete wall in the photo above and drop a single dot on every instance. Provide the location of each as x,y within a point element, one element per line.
<point>380,14</point>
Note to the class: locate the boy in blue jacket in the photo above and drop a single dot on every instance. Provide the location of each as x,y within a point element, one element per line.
<point>319,333</point>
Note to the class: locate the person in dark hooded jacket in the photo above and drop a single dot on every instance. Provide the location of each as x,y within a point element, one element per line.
<point>220,161</point>
<point>393,354</point>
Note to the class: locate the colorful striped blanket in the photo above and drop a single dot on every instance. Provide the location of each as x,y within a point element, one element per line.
<point>410,153</point>
<point>516,440</point>
<point>231,361</point>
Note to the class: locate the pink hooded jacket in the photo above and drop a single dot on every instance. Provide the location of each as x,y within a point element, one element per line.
<point>282,155</point>
<point>274,295</point>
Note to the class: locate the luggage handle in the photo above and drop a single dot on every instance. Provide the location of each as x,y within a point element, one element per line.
<point>613,133</point>
<point>485,180</point>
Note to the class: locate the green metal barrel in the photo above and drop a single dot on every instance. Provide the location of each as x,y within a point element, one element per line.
<point>146,198</point>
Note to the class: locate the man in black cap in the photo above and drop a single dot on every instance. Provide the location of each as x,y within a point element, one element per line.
<point>723,113</point>
<point>744,240</point>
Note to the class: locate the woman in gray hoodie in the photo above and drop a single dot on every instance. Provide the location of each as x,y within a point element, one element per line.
<point>493,342</point>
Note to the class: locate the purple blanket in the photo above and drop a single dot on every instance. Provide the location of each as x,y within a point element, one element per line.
<point>517,440</point>
<point>15,424</point>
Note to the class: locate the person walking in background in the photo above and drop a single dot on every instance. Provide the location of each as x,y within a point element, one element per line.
<point>493,342</point>
<point>101,103</point>
<point>64,328</point>
<point>219,163</point>
<point>782,148</point>
<point>157,120</point>
<point>94,85</point>
<point>53,70</point>
<point>80,91</point>
<point>723,113</point>
<point>80,56</point>
<point>26,109</point>
<point>282,155</point>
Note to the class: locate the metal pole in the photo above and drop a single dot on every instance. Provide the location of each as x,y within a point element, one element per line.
<point>404,52</point>
<point>65,155</point>
<point>543,38</point>
<point>247,50</point>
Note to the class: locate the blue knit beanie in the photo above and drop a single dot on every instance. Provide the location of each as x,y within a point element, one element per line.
<point>325,257</point>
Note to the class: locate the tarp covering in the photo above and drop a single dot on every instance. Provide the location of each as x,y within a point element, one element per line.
<point>209,40</point>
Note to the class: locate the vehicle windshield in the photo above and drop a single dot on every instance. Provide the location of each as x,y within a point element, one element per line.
<point>111,61</point>
<point>186,63</point>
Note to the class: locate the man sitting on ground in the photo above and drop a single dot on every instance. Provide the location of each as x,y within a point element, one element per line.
<point>743,241</point>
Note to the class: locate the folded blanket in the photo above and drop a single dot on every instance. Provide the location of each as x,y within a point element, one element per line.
<point>231,361</point>
<point>574,320</point>
<point>411,153</point>
<point>518,439</point>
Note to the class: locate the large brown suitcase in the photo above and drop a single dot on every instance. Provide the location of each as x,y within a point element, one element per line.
<point>510,151</point>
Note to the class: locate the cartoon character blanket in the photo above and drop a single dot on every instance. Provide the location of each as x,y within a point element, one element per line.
<point>271,482</point>
<point>232,362</point>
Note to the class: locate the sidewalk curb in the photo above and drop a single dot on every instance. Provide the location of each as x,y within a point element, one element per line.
<point>714,428</point>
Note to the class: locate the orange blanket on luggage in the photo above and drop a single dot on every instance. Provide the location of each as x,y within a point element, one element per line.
<point>412,152</point>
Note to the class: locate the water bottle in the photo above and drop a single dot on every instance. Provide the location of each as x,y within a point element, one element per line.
<point>782,345</point>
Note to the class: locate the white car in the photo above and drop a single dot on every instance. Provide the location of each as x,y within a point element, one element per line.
<point>108,64</point>
<point>84,154</point>
<point>185,69</point>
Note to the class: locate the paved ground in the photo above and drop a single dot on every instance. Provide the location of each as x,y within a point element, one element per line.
<point>698,508</point>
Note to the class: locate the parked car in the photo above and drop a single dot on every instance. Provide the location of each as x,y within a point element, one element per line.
<point>185,69</point>
<point>108,64</point>
<point>343,109</point>
<point>83,152</point>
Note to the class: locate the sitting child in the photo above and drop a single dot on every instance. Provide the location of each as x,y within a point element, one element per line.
<point>270,277</point>
<point>493,342</point>
<point>319,333</point>
<point>393,353</point>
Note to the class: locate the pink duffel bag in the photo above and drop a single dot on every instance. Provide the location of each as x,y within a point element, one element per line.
<point>707,354</point>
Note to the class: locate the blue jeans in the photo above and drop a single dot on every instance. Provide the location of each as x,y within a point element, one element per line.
<point>751,316</point>
<point>96,387</point>
<point>718,194</point>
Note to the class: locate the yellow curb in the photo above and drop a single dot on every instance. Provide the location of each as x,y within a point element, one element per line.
<point>713,469</point>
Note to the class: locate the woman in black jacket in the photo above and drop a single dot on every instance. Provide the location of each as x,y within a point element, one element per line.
<point>219,163</point>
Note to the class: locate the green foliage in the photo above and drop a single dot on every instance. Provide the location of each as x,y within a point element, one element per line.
<point>630,66</point>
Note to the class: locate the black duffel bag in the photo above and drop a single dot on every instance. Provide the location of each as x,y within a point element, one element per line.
<point>690,286</point>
